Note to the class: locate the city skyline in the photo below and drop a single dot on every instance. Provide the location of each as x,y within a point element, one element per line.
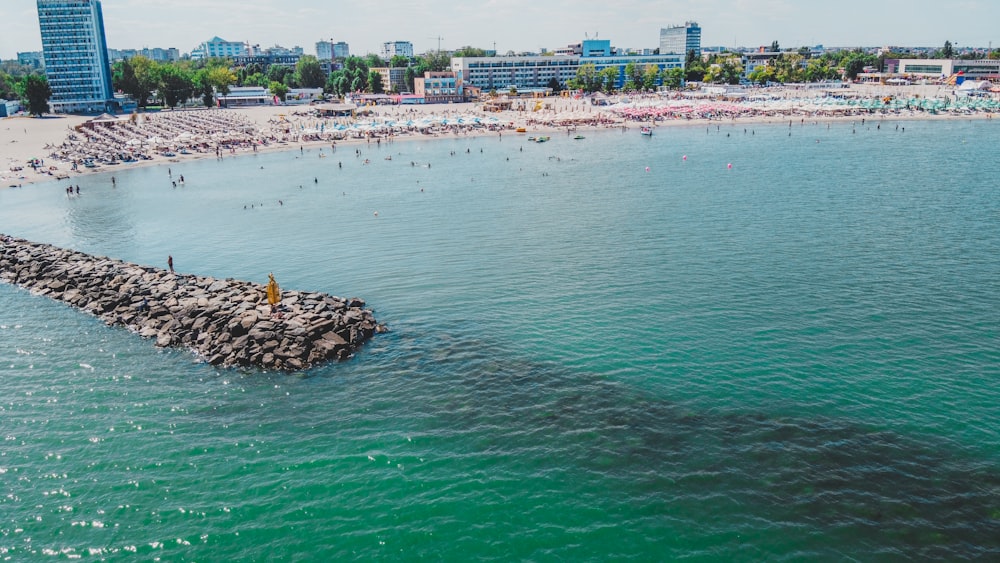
<point>518,25</point>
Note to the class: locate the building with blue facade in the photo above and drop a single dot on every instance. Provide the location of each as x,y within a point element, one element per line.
<point>341,50</point>
<point>502,73</point>
<point>438,87</point>
<point>680,39</point>
<point>218,47</point>
<point>391,49</point>
<point>76,55</point>
<point>34,59</point>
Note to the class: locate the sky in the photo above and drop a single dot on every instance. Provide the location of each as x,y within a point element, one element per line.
<point>522,25</point>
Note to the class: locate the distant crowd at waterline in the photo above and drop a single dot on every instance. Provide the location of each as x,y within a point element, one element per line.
<point>176,135</point>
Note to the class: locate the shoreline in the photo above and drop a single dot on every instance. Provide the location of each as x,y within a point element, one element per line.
<point>26,138</point>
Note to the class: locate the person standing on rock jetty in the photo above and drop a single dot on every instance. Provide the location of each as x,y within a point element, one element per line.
<point>273,296</point>
<point>170,263</point>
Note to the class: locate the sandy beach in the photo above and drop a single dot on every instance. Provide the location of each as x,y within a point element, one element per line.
<point>58,140</point>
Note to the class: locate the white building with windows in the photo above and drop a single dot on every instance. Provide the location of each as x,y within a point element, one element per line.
<point>393,79</point>
<point>218,47</point>
<point>392,48</point>
<point>328,50</point>
<point>985,69</point>
<point>324,50</point>
<point>76,55</point>
<point>676,39</point>
<point>341,50</point>
<point>502,73</point>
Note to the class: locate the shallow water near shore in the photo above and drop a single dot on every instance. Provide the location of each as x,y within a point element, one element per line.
<point>794,357</point>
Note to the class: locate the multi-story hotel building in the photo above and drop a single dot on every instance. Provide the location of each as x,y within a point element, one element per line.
<point>324,50</point>
<point>393,79</point>
<point>393,48</point>
<point>328,50</point>
<point>502,73</point>
<point>341,50</point>
<point>680,39</point>
<point>76,55</point>
<point>218,47</point>
<point>438,87</point>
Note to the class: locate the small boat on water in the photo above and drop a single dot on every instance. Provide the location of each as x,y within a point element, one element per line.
<point>542,139</point>
<point>646,131</point>
<point>578,137</point>
<point>520,130</point>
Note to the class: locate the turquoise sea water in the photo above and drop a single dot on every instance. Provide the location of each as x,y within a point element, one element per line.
<point>794,358</point>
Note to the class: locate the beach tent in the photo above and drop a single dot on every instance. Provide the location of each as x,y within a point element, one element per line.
<point>969,85</point>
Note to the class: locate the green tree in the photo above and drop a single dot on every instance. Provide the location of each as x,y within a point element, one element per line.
<point>221,78</point>
<point>690,58</point>
<point>399,61</point>
<point>853,67</point>
<point>309,73</point>
<point>176,85</point>
<point>336,84</point>
<point>435,62</point>
<point>607,78</point>
<point>35,92</point>
<point>468,51</point>
<point>203,87</point>
<point>375,82</point>
<point>694,67</point>
<point>373,61</point>
<point>278,73</point>
<point>948,51</point>
<point>788,68</point>
<point>554,84</point>
<point>18,70</point>
<point>855,63</point>
<point>356,72</point>
<point>408,75</point>
<point>732,70</point>
<point>633,77</point>
<point>245,73</point>
<point>817,70</point>
<point>761,74</point>
<point>650,76</point>
<point>673,78</point>
<point>137,77</point>
<point>775,47</point>
<point>8,86</point>
<point>256,79</point>
<point>713,74</point>
<point>278,89</point>
<point>586,78</point>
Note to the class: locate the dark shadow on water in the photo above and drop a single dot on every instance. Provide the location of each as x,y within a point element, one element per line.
<point>855,490</point>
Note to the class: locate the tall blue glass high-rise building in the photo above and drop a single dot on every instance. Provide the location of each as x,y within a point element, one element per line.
<point>76,55</point>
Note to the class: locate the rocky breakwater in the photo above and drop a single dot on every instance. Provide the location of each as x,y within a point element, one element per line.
<point>227,322</point>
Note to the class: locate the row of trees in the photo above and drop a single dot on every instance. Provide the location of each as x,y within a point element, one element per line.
<point>171,84</point>
<point>356,74</point>
<point>18,82</point>
<point>727,68</point>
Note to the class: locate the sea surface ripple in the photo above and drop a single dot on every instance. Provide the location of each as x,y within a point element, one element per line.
<point>792,358</point>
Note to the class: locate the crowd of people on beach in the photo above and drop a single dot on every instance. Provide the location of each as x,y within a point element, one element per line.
<point>110,140</point>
